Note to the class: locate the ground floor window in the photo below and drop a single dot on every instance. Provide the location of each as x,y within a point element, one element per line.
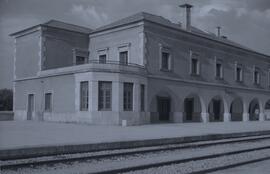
<point>142,97</point>
<point>48,102</point>
<point>84,96</point>
<point>104,95</point>
<point>128,96</point>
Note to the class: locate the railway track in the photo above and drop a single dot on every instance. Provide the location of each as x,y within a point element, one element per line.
<point>94,159</point>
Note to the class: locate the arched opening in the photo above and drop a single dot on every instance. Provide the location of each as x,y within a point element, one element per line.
<point>192,109</point>
<point>236,110</point>
<point>216,109</point>
<point>267,110</point>
<point>254,110</point>
<point>162,107</point>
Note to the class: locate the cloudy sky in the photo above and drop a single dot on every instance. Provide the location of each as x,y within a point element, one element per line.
<point>244,21</point>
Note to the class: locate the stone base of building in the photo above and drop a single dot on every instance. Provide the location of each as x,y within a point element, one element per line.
<point>95,117</point>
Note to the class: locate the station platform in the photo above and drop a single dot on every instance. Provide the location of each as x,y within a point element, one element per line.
<point>46,138</point>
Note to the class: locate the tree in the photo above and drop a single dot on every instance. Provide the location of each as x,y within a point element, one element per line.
<point>6,100</point>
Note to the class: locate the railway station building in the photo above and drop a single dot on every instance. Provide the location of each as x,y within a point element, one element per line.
<point>141,69</point>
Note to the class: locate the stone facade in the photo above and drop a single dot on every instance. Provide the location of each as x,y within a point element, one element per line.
<point>45,62</point>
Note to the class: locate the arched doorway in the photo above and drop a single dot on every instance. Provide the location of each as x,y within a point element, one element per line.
<point>216,109</point>
<point>254,110</point>
<point>162,107</point>
<point>236,110</point>
<point>192,109</point>
<point>267,110</point>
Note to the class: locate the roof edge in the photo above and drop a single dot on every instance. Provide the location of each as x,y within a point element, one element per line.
<point>191,33</point>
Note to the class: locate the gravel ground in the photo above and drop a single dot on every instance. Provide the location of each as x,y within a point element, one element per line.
<point>89,154</point>
<point>195,166</point>
<point>139,159</point>
<point>262,167</point>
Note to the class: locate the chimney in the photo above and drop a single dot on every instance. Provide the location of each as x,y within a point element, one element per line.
<point>188,15</point>
<point>218,31</point>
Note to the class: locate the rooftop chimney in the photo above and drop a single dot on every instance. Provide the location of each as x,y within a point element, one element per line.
<point>218,31</point>
<point>188,15</point>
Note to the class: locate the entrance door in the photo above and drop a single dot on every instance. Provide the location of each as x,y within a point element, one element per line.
<point>164,106</point>
<point>30,107</point>
<point>189,107</point>
<point>216,109</point>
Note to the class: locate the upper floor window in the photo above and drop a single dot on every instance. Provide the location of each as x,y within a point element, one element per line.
<point>80,56</point>
<point>219,73</point>
<point>102,58</point>
<point>219,69</point>
<point>165,58</point>
<point>123,50</point>
<point>123,57</point>
<point>102,55</point>
<point>128,96</point>
<point>256,76</point>
<point>165,61</point>
<point>48,102</point>
<point>104,95</point>
<point>239,73</point>
<point>81,60</point>
<point>84,96</point>
<point>194,64</point>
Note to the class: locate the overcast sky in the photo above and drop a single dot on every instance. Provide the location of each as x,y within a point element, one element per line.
<point>244,21</point>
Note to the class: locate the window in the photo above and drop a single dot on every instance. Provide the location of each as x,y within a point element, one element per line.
<point>104,95</point>
<point>102,58</point>
<point>239,73</point>
<point>219,71</point>
<point>123,57</point>
<point>194,66</point>
<point>165,61</point>
<point>268,77</point>
<point>80,56</point>
<point>84,96</point>
<point>256,76</point>
<point>142,97</point>
<point>80,60</point>
<point>48,102</point>
<point>128,96</point>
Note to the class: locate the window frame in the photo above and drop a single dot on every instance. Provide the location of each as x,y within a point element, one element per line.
<point>77,52</point>
<point>269,78</point>
<point>102,52</point>
<point>104,89</point>
<point>51,102</point>
<point>124,48</point>
<point>168,51</point>
<point>126,62</point>
<point>194,56</point>
<point>241,67</point>
<point>128,106</point>
<point>142,97</point>
<point>82,98</point>
<point>220,62</point>
<point>256,79</point>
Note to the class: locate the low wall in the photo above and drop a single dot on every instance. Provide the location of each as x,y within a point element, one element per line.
<point>6,115</point>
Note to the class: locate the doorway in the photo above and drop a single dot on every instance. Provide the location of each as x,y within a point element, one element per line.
<point>164,106</point>
<point>216,109</point>
<point>189,108</point>
<point>30,106</point>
